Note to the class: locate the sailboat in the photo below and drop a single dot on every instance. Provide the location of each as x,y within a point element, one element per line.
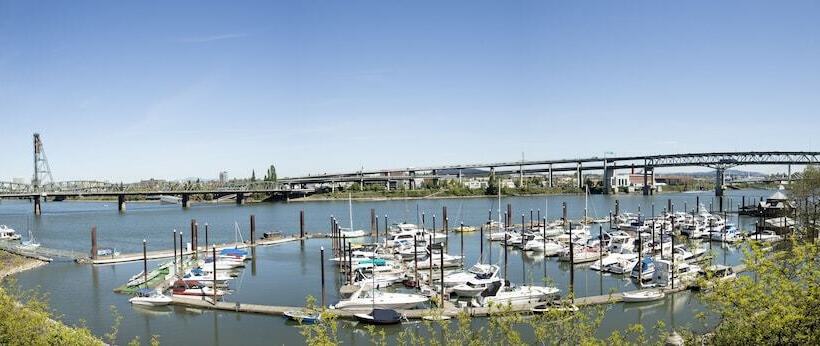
<point>349,232</point>
<point>29,244</point>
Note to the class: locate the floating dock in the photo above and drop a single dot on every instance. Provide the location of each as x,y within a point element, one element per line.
<point>152,255</point>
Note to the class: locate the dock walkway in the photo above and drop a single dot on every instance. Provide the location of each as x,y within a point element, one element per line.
<point>449,309</point>
<point>152,255</point>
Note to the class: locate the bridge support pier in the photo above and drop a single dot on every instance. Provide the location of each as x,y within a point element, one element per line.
<point>647,188</point>
<point>185,197</point>
<point>240,198</point>
<point>550,177</point>
<point>121,203</point>
<point>719,180</point>
<point>37,208</point>
<point>580,176</point>
<point>608,173</point>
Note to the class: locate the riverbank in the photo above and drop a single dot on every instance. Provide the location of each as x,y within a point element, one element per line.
<point>30,322</point>
<point>11,264</point>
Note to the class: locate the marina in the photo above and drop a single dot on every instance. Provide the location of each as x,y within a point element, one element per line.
<point>295,256</point>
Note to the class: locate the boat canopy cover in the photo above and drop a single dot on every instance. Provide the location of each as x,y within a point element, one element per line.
<point>385,315</point>
<point>145,292</point>
<point>233,252</point>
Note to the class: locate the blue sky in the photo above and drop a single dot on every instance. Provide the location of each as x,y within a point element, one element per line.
<point>125,91</point>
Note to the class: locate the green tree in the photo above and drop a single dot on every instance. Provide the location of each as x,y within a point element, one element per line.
<point>271,174</point>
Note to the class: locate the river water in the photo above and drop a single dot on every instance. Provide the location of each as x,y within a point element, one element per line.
<point>285,274</point>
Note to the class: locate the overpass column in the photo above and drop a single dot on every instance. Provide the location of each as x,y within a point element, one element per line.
<point>459,175</point>
<point>412,180</point>
<point>608,172</point>
<point>550,176</point>
<point>719,182</point>
<point>240,198</point>
<point>580,177</point>
<point>387,182</point>
<point>185,200</point>
<point>790,174</point>
<point>37,208</point>
<point>646,189</point>
<point>121,203</point>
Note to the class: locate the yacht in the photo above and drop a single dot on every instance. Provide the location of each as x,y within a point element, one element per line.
<point>501,293</point>
<point>729,234</point>
<point>30,244</point>
<point>7,233</point>
<point>367,297</point>
<point>478,284</point>
<point>461,277</point>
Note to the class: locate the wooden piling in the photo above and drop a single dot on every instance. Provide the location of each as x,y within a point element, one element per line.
<point>462,244</point>
<point>372,220</point>
<point>571,265</point>
<point>214,254</point>
<point>322,269</point>
<point>206,236</point>
<point>253,229</point>
<point>94,242</point>
<point>144,263</point>
<point>617,207</point>
<point>175,253</point>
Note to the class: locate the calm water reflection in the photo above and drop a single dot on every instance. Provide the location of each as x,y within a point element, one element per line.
<point>286,274</point>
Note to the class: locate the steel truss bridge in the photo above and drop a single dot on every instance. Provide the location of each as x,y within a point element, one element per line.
<point>720,161</point>
<point>81,188</point>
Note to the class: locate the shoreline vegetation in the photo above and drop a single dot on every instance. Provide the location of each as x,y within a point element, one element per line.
<point>25,318</point>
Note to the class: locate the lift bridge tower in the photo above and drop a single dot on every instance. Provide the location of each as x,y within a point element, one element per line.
<point>42,171</point>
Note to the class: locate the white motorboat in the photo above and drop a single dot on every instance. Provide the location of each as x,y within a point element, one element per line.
<point>149,297</point>
<point>623,265</point>
<point>367,297</point>
<point>461,277</point>
<point>583,255</point>
<point>448,260</point>
<point>604,263</point>
<point>643,296</point>
<point>766,236</point>
<point>194,288</point>
<point>380,278</point>
<point>497,236</point>
<point>553,248</point>
<point>7,233</point>
<point>501,294</point>
<point>478,284</point>
<point>206,277</point>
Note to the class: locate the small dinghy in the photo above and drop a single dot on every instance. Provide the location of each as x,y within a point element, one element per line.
<point>149,297</point>
<point>380,317</point>
<point>643,296</point>
<point>302,317</point>
<point>552,306</point>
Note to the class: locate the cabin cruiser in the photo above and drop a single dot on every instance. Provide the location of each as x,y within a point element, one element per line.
<point>729,234</point>
<point>29,245</point>
<point>643,296</point>
<point>437,259</point>
<point>7,233</point>
<point>683,272</point>
<point>501,293</point>
<point>644,270</point>
<point>379,278</point>
<point>615,263</point>
<point>620,242</point>
<point>460,277</point>
<point>582,255</point>
<point>367,297</point>
<point>681,252</point>
<point>478,284</point>
<point>349,233</point>
<point>553,248</point>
